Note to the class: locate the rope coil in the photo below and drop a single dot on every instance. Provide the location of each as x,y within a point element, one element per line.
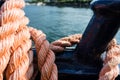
<point>13,25</point>
<point>15,43</point>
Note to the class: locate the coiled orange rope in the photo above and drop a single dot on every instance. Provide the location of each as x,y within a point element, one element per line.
<point>45,56</point>
<point>16,56</point>
<point>6,41</point>
<point>110,69</point>
<point>14,23</point>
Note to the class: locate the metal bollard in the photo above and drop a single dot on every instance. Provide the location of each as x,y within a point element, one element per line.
<point>1,2</point>
<point>101,29</point>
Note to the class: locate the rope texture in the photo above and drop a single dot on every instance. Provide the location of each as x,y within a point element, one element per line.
<point>30,70</point>
<point>17,58</point>
<point>110,69</point>
<point>16,45</point>
<point>45,56</point>
<point>61,44</point>
<point>6,38</point>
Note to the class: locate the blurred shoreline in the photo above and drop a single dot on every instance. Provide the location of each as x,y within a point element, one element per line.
<point>61,4</point>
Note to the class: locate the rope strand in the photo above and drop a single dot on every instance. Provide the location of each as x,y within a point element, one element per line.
<point>15,47</point>
<point>59,45</point>
<point>13,20</point>
<point>45,56</point>
<point>110,69</point>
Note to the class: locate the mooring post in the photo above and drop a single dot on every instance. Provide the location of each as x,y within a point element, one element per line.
<point>101,29</point>
<point>1,2</point>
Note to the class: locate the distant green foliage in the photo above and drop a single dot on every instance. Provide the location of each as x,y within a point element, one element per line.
<point>37,0</point>
<point>62,0</point>
<point>73,0</point>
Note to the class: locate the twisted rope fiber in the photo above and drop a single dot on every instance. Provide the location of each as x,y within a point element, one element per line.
<point>110,69</point>
<point>61,44</point>
<point>5,53</point>
<point>30,70</point>
<point>6,35</point>
<point>45,56</point>
<point>14,44</point>
<point>14,23</point>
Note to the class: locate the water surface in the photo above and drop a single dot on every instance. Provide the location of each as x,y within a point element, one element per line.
<point>58,22</point>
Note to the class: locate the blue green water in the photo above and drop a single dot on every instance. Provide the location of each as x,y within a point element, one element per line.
<point>58,22</point>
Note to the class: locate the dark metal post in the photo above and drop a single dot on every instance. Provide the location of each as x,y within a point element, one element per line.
<point>101,29</point>
<point>1,2</point>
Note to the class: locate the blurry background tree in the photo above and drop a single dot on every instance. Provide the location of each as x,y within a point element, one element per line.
<point>76,1</point>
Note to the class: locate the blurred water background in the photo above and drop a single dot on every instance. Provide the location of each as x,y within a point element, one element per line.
<point>58,22</point>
